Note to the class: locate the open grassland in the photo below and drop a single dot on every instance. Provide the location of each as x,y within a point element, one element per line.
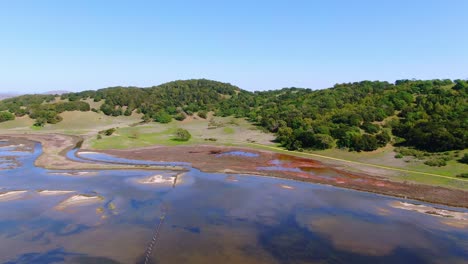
<point>386,157</point>
<point>130,132</point>
<point>227,132</point>
<point>23,123</point>
<point>74,122</point>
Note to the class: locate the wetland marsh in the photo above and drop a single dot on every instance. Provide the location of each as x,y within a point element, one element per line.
<point>109,216</point>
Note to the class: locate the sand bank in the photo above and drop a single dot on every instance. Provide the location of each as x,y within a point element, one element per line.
<point>11,195</point>
<point>420,208</point>
<point>158,179</point>
<point>78,199</point>
<point>54,192</point>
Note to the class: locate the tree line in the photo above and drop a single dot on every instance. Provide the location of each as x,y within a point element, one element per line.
<point>429,115</point>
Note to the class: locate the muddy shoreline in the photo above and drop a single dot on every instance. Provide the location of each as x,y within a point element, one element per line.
<point>54,153</point>
<point>207,158</point>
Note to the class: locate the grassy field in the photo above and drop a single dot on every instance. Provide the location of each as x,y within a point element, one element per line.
<point>131,133</point>
<point>20,123</point>
<point>230,131</point>
<point>74,122</point>
<point>386,157</point>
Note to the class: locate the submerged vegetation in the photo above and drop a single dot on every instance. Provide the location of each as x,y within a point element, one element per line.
<point>427,116</point>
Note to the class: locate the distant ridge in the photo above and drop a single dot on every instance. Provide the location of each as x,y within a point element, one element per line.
<point>10,95</point>
<point>59,92</point>
<point>7,95</point>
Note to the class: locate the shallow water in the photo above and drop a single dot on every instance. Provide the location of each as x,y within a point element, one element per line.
<point>211,218</point>
<point>238,153</point>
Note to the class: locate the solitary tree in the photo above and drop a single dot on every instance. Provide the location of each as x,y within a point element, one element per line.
<point>182,135</point>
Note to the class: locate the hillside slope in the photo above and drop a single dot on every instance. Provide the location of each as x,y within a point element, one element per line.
<point>428,115</point>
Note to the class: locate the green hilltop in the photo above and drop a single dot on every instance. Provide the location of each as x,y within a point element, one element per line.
<point>426,115</point>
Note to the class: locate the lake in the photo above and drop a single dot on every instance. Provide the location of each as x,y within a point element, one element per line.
<point>142,216</point>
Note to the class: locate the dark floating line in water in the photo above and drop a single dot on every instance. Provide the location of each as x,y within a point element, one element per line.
<point>153,241</point>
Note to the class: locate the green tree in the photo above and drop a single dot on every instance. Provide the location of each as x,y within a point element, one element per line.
<point>5,116</point>
<point>182,135</point>
<point>162,117</point>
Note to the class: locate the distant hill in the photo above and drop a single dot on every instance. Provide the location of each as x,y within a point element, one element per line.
<point>7,95</point>
<point>10,95</point>
<point>59,92</point>
<point>430,115</point>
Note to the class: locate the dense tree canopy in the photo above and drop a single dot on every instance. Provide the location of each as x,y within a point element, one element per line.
<point>429,115</point>
<point>6,116</point>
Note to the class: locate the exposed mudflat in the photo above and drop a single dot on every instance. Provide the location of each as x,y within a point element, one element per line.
<point>54,192</point>
<point>78,199</point>
<point>11,195</point>
<point>219,159</point>
<point>157,179</point>
<point>421,208</point>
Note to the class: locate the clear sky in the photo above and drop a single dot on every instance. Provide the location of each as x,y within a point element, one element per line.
<point>257,45</point>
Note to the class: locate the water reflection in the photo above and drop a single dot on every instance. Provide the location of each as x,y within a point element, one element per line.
<point>211,218</point>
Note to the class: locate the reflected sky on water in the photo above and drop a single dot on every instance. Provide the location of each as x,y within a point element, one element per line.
<point>209,218</point>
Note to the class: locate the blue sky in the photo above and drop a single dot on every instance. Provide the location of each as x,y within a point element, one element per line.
<point>257,45</point>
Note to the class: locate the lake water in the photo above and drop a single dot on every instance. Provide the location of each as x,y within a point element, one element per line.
<point>209,218</point>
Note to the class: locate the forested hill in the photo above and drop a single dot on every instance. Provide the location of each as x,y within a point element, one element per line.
<point>429,115</point>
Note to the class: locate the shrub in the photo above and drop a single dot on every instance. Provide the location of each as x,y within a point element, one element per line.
<point>128,112</point>
<point>162,117</point>
<point>464,159</point>
<point>179,116</point>
<point>398,156</point>
<point>202,114</point>
<point>435,162</point>
<point>108,132</point>
<point>182,135</point>
<point>411,152</point>
<point>463,175</point>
